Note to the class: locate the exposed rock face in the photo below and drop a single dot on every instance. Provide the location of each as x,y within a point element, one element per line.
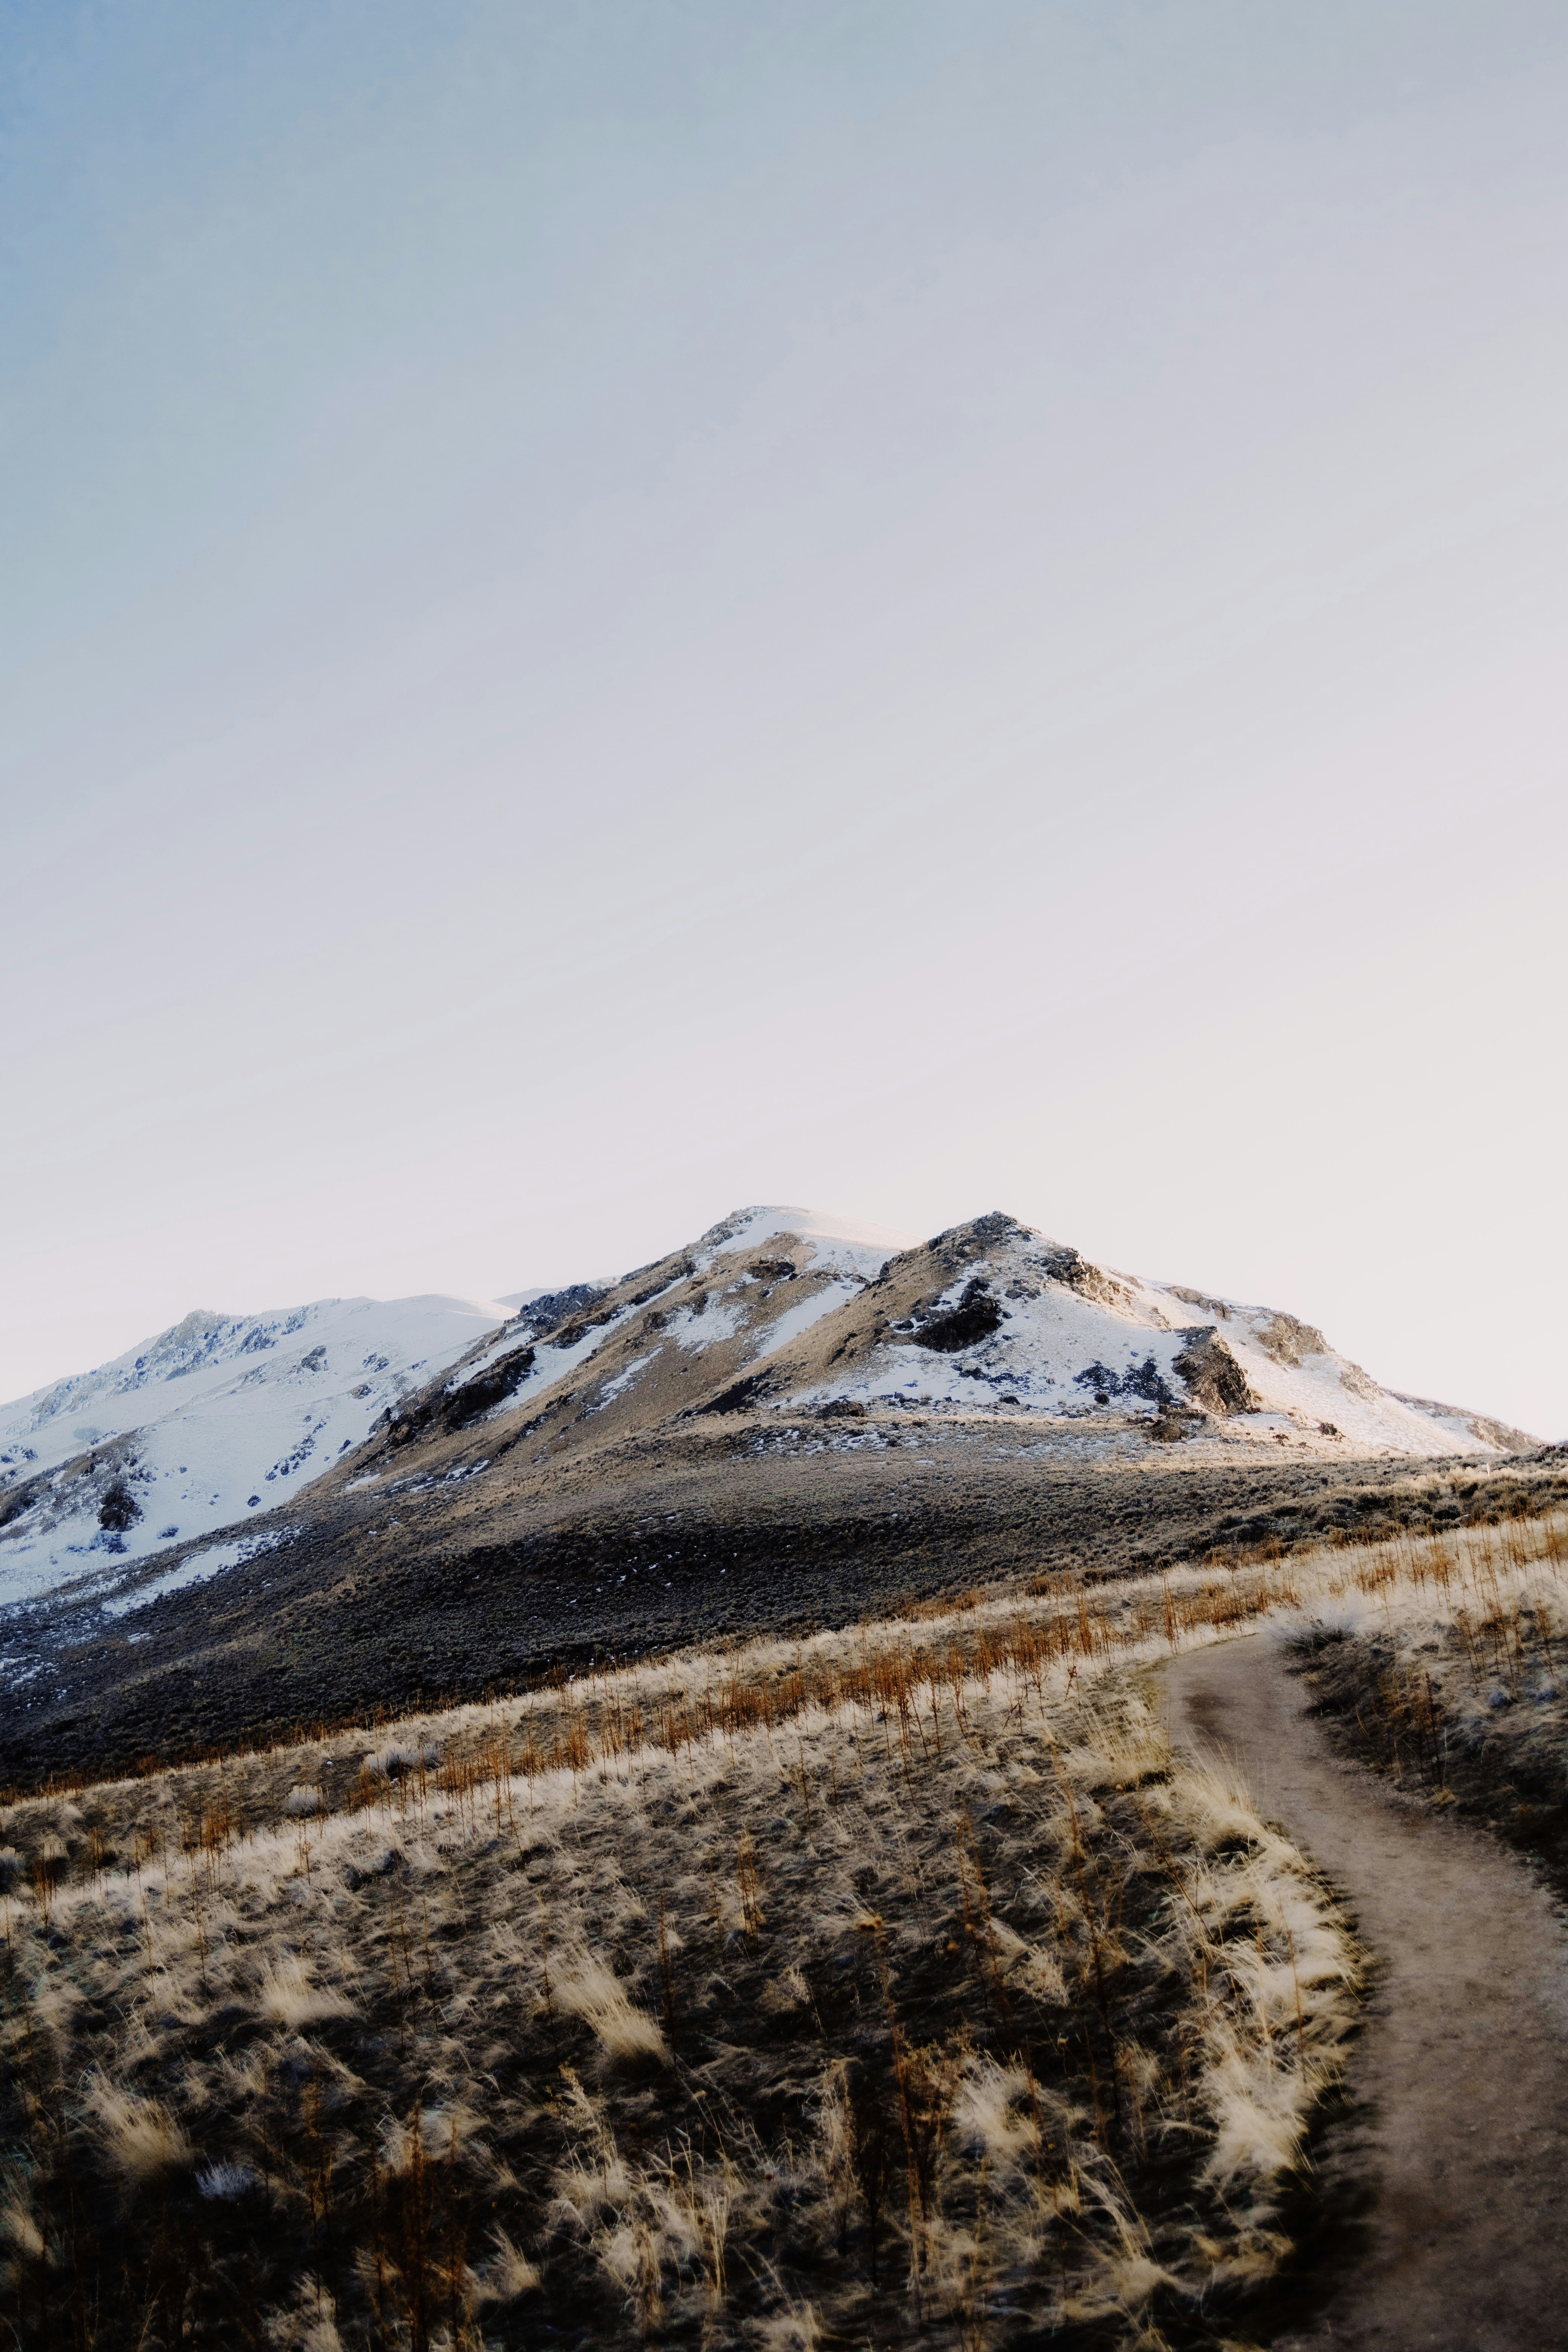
<point>1214,1378</point>
<point>1200,1298</point>
<point>487,1389</point>
<point>1065,1264</point>
<point>1287,1340</point>
<point>739,1397</point>
<point>975,1316</point>
<point>454,1409</point>
<point>553,1308</point>
<point>120,1508</point>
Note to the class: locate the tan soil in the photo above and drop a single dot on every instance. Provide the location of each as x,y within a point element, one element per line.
<point>1455,2139</point>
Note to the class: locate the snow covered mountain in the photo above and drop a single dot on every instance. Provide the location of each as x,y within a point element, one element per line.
<point>222,1421</point>
<point>794,1418</point>
<point>785,1310</point>
<point>211,1421</point>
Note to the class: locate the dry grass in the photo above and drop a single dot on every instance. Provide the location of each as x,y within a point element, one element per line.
<point>141,2139</point>
<point>1445,1664</point>
<point>888,1988</point>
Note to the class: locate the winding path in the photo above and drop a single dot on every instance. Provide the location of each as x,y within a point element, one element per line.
<point>1456,2141</point>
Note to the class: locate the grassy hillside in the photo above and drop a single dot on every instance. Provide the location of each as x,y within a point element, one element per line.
<point>883,1988</point>
<point>1450,1675</point>
<point>408,1595</point>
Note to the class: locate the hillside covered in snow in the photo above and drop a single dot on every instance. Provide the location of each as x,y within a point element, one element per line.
<point>214,1421</point>
<point>213,1428</point>
<point>783,1310</point>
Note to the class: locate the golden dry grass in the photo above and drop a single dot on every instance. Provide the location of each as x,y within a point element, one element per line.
<point>1445,1664</point>
<point>890,1987</point>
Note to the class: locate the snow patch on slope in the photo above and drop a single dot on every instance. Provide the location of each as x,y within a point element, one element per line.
<point>196,1567</point>
<point>720,1319</point>
<point>622,1380</point>
<point>796,1321</point>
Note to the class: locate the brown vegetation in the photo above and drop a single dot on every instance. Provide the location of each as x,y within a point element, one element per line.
<point>1446,1666</point>
<point>884,1988</point>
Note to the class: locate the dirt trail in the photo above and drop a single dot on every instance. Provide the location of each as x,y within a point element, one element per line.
<point>1456,2143</point>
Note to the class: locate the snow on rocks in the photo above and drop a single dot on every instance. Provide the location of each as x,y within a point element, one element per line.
<point>994,1313</point>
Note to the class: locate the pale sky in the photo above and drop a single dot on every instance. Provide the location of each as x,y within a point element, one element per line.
<point>609,612</point>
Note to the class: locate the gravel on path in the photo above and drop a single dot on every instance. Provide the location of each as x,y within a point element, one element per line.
<point>1455,2138</point>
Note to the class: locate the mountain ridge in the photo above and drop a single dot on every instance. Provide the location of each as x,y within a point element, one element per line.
<point>86,1481</point>
<point>257,1399</point>
<point>764,1429</point>
<point>1267,1375</point>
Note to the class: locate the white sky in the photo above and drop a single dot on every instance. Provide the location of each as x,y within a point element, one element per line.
<point>611,612</point>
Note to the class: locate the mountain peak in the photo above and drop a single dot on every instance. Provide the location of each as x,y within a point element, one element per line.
<point>747,1228</point>
<point>222,1420</point>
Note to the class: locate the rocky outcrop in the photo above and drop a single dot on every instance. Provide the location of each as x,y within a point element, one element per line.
<point>1065,1264</point>
<point>553,1308</point>
<point>1199,1298</point>
<point>455,1408</point>
<point>1214,1378</point>
<point>1287,1340</point>
<point>740,1396</point>
<point>974,1318</point>
<point>120,1508</point>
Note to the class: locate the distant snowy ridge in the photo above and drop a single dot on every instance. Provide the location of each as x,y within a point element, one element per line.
<point>213,1419</point>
